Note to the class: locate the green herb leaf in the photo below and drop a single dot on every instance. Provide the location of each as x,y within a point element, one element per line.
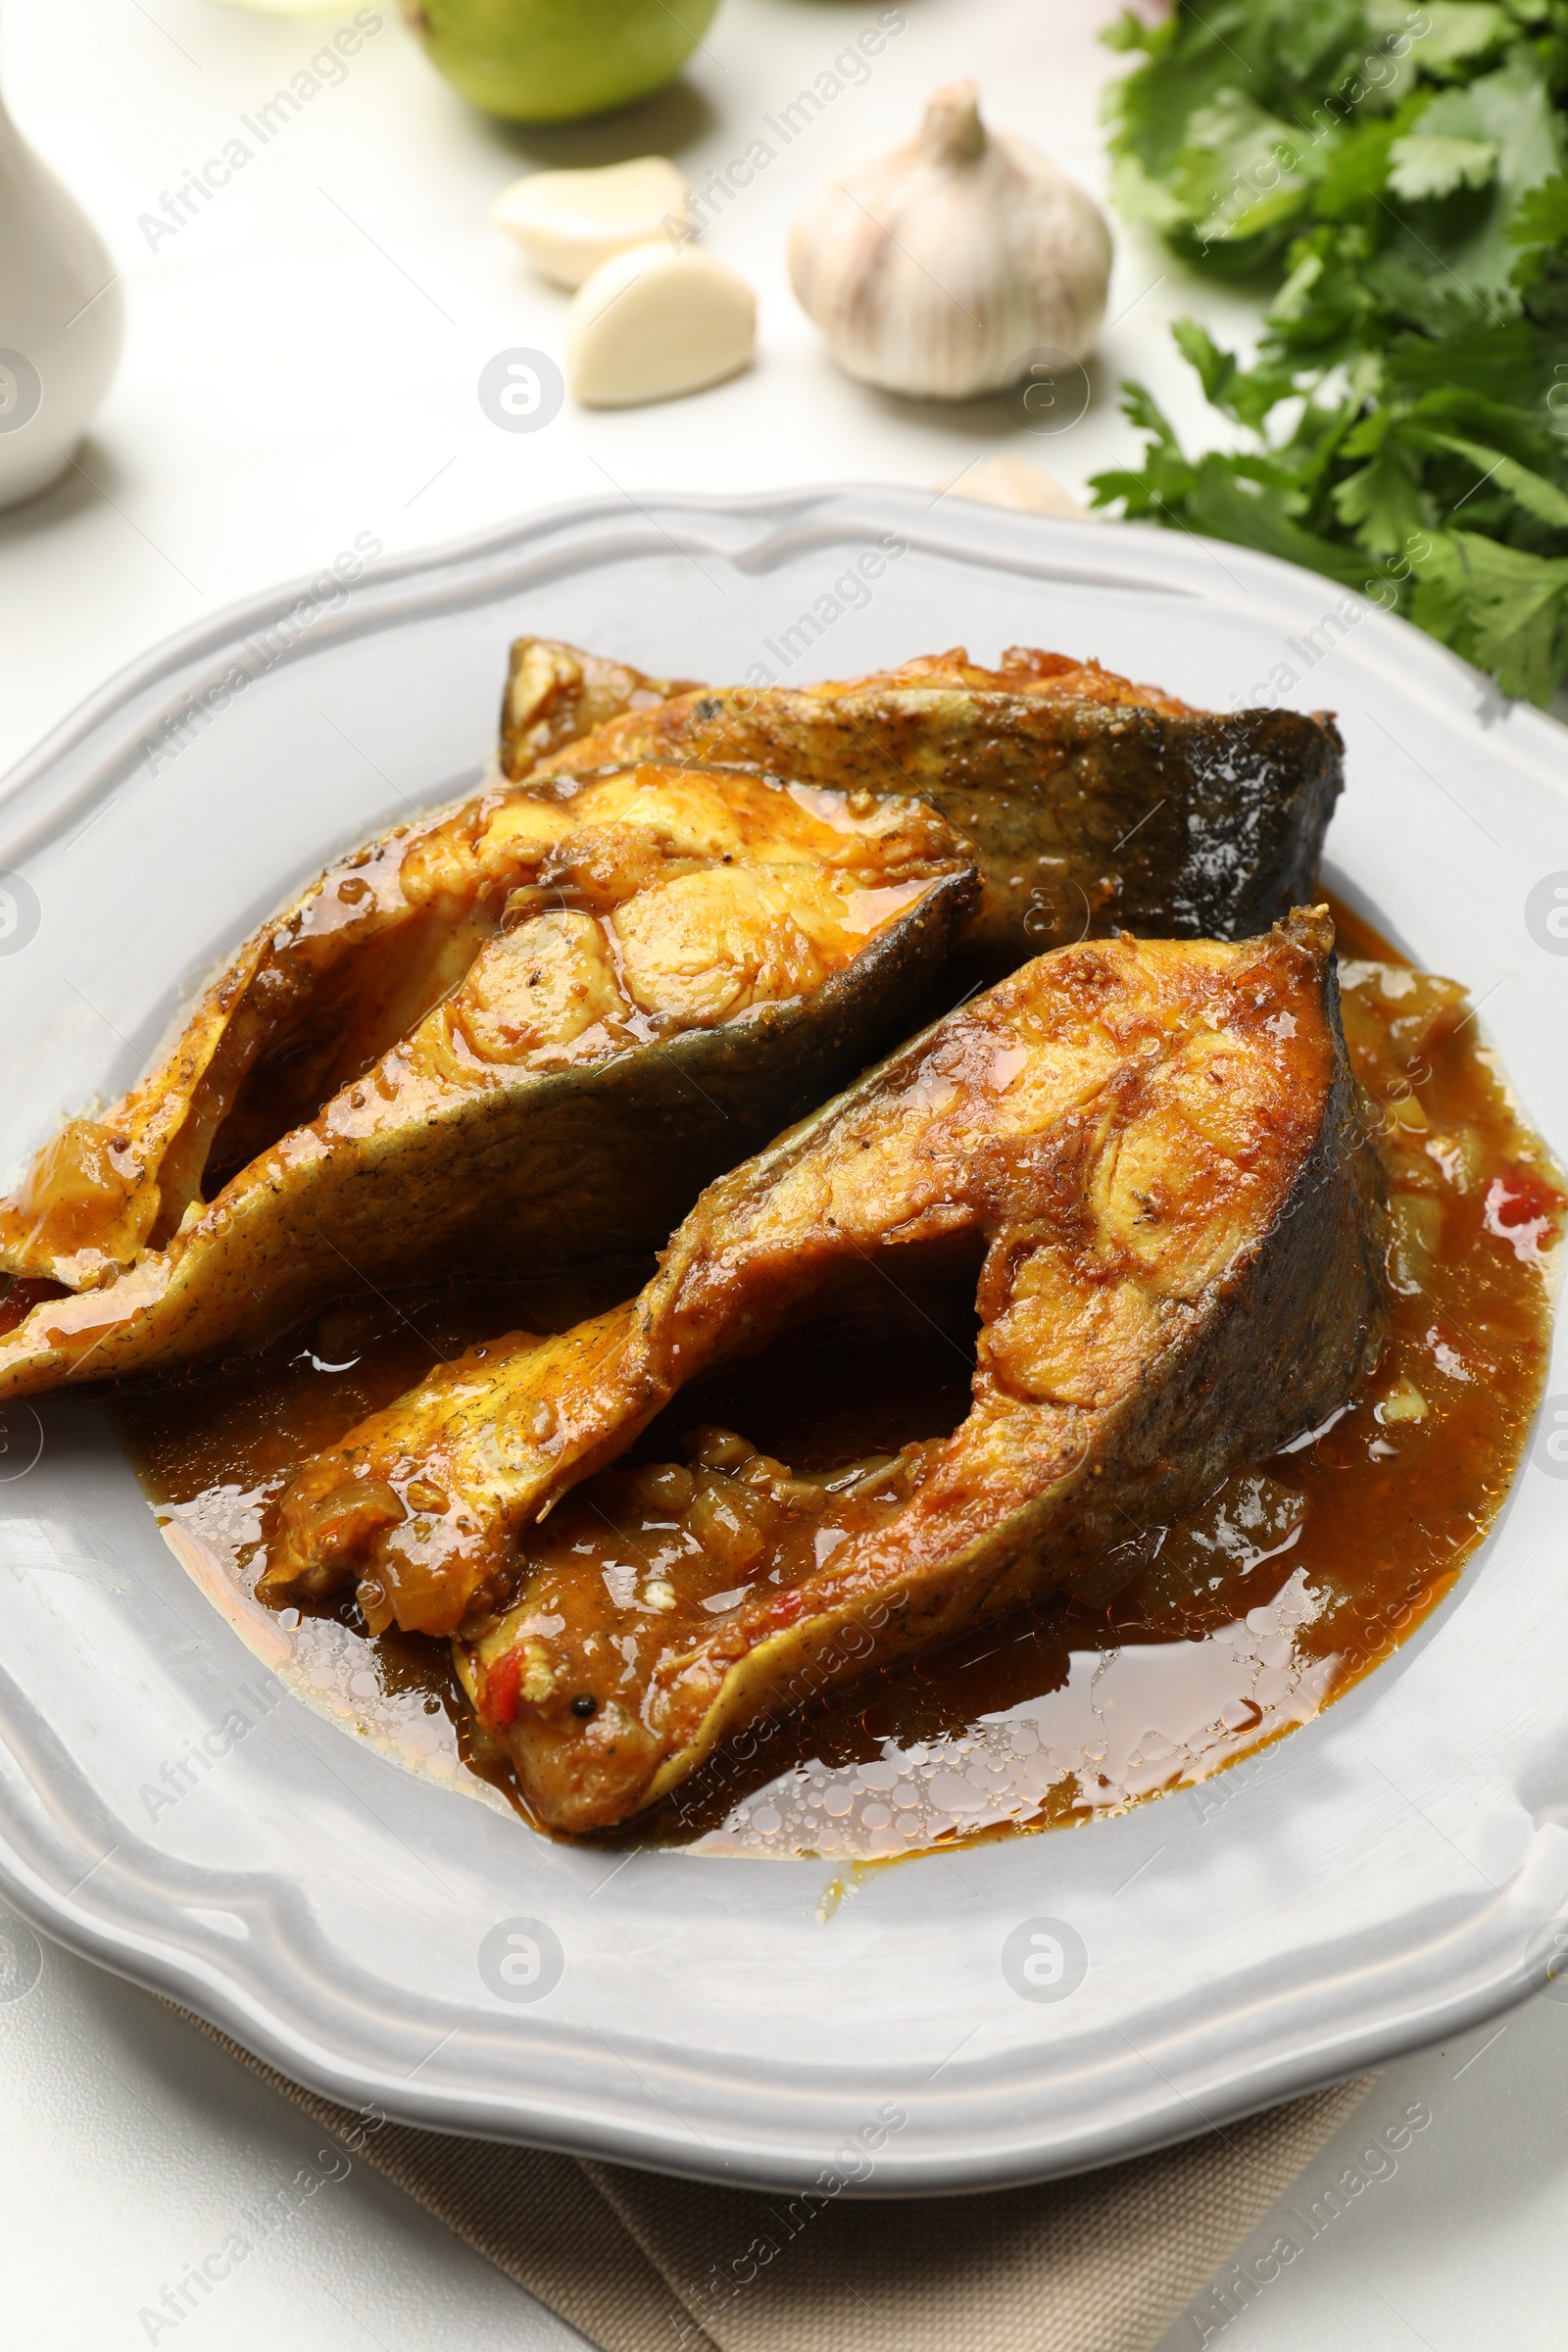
<point>1400,173</point>
<point>1500,607</point>
<point>1384,502</point>
<point>1531,491</point>
<point>1460,32</point>
<point>1424,165</point>
<point>1541,216</point>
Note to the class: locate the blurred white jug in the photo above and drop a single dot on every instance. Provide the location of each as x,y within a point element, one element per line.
<point>62,320</point>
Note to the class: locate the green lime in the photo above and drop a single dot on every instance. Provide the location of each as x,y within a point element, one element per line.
<point>550,61</point>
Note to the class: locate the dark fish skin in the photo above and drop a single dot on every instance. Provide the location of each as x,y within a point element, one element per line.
<point>1086,816</point>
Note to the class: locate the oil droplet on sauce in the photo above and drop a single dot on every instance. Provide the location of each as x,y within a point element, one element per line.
<point>1233,1627</point>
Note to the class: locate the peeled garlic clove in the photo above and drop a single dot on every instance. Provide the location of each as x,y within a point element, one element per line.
<point>570,223</point>
<point>654,322</point>
<point>1014,481</point>
<point>943,267</point>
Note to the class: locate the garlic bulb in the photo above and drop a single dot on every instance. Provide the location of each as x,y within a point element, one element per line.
<point>943,268</point>
<point>567,222</point>
<point>657,321</point>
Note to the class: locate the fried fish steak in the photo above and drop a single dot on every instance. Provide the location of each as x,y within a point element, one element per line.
<point>1093,805</point>
<point>682,961</point>
<point>1158,1147</point>
<point>308,1003</point>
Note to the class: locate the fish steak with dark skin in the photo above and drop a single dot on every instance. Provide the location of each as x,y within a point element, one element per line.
<point>1154,1152</point>
<point>638,982</point>
<point>1093,805</point>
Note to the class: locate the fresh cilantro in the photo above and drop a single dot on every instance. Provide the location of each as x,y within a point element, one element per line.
<point>1397,176</point>
<point>1432,163</point>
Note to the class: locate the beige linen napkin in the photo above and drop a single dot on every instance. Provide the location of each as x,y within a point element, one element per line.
<point>639,2262</point>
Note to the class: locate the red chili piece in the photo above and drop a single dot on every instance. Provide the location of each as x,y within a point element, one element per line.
<point>501,1688</point>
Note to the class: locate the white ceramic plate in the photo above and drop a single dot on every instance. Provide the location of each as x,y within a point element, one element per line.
<point>1389,1875</point>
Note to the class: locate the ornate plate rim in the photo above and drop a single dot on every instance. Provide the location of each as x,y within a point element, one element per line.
<point>252,1955</point>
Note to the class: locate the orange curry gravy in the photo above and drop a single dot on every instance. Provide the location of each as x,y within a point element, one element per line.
<point>1234,1626</point>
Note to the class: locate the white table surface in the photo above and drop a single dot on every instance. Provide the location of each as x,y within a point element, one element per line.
<point>301,370</point>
